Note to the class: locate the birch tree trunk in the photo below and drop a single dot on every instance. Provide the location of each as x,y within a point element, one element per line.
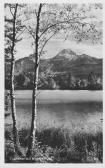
<point>34,101</point>
<point>13,106</point>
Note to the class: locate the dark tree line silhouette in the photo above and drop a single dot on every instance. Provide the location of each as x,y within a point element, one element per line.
<point>66,81</point>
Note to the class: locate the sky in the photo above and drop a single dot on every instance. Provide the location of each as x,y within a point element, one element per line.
<point>54,46</point>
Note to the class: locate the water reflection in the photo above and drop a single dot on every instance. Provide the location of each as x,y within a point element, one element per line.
<point>70,115</point>
<point>85,116</point>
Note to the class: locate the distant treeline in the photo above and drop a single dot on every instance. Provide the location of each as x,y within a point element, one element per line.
<point>57,81</point>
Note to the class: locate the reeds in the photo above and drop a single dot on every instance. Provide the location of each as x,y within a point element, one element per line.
<point>58,145</point>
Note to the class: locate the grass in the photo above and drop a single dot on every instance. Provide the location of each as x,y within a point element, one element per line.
<point>57,145</point>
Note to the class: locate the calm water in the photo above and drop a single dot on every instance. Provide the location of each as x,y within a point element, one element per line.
<point>76,110</point>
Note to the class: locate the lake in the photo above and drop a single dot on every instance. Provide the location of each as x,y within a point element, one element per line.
<point>75,110</point>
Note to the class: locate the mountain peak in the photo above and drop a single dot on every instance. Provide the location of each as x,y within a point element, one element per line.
<point>66,53</point>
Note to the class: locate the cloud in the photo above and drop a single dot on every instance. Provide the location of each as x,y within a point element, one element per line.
<point>56,46</point>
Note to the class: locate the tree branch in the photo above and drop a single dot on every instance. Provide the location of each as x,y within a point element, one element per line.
<point>31,33</point>
<point>20,34</point>
<point>11,11</point>
<point>46,43</point>
<point>67,21</point>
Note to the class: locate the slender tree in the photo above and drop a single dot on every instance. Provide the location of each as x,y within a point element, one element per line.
<point>13,106</point>
<point>44,22</point>
<point>12,29</point>
<point>36,72</point>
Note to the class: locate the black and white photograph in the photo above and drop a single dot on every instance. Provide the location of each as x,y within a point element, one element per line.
<point>53,82</point>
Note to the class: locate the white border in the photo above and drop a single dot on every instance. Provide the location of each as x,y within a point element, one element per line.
<point>1,83</point>
<point>34,165</point>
